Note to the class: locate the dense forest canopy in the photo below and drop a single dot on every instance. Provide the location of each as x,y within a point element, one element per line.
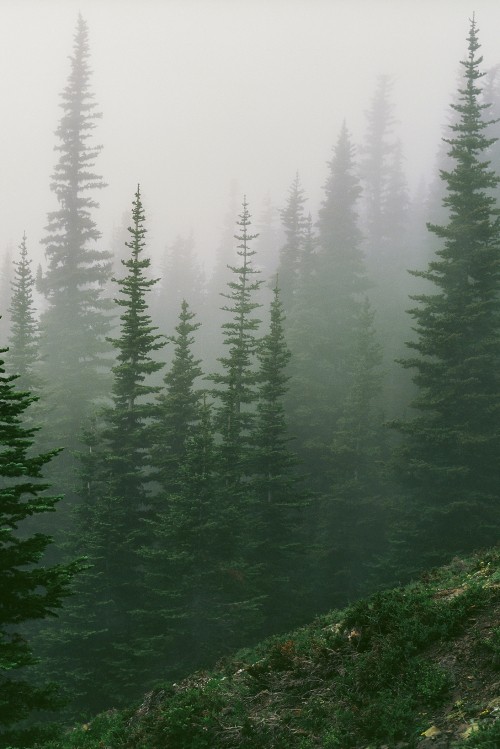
<point>192,460</point>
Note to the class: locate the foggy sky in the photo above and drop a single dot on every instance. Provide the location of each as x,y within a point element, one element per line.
<point>196,93</point>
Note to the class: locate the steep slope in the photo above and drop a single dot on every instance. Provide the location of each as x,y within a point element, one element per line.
<point>411,667</point>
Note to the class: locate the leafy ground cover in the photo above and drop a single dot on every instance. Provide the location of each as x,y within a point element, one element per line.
<point>411,667</point>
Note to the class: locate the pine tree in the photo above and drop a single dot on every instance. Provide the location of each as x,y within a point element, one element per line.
<point>24,333</point>
<point>177,405</point>
<point>181,278</point>
<point>97,650</point>
<point>449,461</point>
<point>201,564</point>
<point>234,420</point>
<point>321,327</point>
<point>190,620</point>
<point>268,241</point>
<point>29,589</point>
<point>355,511</point>
<point>76,322</point>
<point>126,447</point>
<point>280,501</point>
<point>294,224</point>
<point>236,393</point>
<point>386,217</point>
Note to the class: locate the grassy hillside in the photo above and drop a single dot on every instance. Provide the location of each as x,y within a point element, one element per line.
<point>410,667</point>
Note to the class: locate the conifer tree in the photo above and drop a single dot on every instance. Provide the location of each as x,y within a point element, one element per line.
<point>190,621</point>
<point>379,150</point>
<point>294,224</point>
<point>24,333</point>
<point>214,317</point>
<point>267,243</point>
<point>177,405</point>
<point>321,328</point>
<point>236,392</point>
<point>386,223</point>
<point>355,511</point>
<point>234,419</point>
<point>201,565</point>
<point>29,589</point>
<point>181,278</point>
<point>280,502</point>
<point>126,438</point>
<point>449,461</point>
<point>76,322</point>
<point>97,648</point>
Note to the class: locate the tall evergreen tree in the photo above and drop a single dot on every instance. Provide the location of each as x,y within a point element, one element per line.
<point>24,332</point>
<point>236,392</point>
<point>181,278</point>
<point>280,501</point>
<point>195,613</point>
<point>268,241</point>
<point>214,317</point>
<point>201,565</point>
<point>294,224</point>
<point>76,322</point>
<point>177,405</point>
<point>97,648</point>
<point>29,589</point>
<point>356,508</point>
<point>386,215</point>
<point>234,420</point>
<point>321,330</point>
<point>449,461</point>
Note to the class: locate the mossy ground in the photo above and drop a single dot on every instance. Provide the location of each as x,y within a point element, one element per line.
<point>410,667</point>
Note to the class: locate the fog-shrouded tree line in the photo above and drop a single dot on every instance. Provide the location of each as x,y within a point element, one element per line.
<point>189,465</point>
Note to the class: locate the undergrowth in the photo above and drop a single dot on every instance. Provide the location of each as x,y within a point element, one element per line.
<point>356,678</point>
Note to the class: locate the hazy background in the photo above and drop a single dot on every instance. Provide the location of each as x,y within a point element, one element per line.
<point>196,93</point>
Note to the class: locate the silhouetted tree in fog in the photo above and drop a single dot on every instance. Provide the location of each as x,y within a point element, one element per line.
<point>24,332</point>
<point>97,650</point>
<point>280,497</point>
<point>329,301</point>
<point>449,461</point>
<point>30,590</point>
<point>76,321</point>
<point>294,225</point>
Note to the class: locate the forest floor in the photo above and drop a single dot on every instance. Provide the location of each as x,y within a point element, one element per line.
<point>410,668</point>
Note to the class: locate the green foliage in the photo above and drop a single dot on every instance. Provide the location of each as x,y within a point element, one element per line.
<point>76,321</point>
<point>487,737</point>
<point>30,590</point>
<point>24,333</point>
<point>280,501</point>
<point>236,393</point>
<point>291,253</point>
<point>355,511</point>
<point>327,304</point>
<point>446,465</point>
<point>178,405</point>
<point>97,651</point>
<point>365,676</point>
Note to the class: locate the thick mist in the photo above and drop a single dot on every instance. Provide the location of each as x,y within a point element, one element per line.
<point>196,94</point>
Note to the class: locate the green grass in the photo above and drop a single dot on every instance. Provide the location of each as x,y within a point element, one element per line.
<point>364,676</point>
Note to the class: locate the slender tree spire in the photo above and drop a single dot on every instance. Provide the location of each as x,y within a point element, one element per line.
<point>24,333</point>
<point>238,379</point>
<point>76,322</point>
<point>449,463</point>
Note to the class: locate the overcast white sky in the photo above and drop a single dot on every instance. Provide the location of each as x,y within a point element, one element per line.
<point>196,93</point>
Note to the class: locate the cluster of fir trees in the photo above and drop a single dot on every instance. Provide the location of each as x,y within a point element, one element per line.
<point>189,512</point>
<point>188,507</point>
